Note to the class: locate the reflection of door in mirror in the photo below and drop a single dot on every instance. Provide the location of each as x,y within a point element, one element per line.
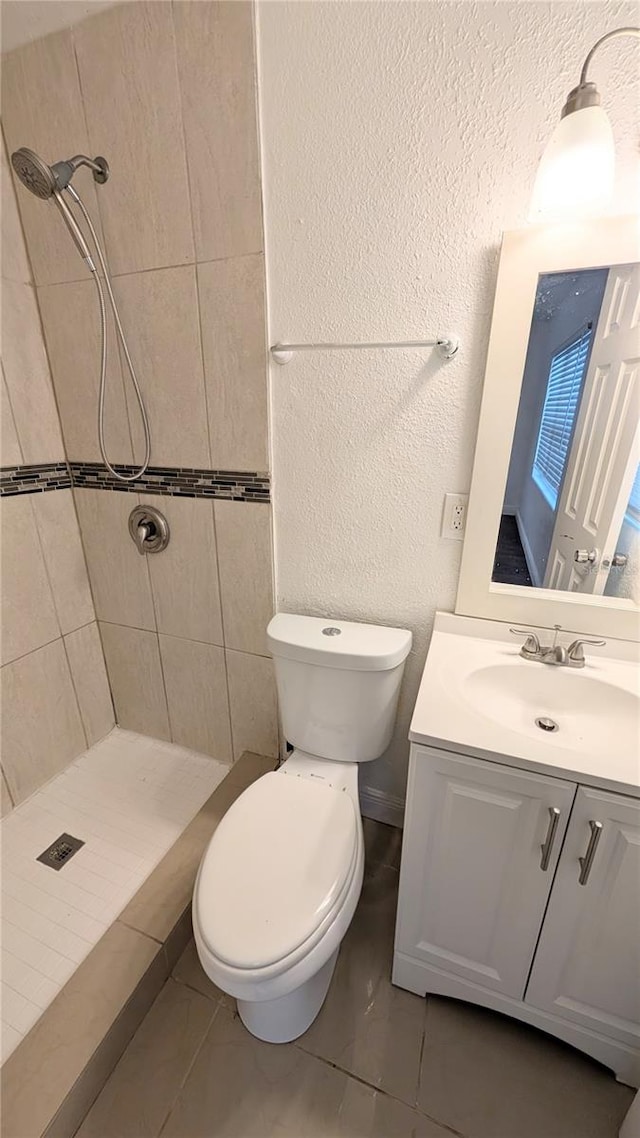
<point>571,513</point>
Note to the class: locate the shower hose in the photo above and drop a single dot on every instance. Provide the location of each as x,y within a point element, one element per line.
<point>103,359</point>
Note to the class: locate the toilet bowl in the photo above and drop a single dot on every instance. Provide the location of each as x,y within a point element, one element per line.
<point>280,880</point>
<point>274,898</point>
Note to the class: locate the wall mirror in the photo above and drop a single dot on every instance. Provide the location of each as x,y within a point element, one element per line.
<point>553,529</point>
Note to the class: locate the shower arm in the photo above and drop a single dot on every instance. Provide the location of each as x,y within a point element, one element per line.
<point>64,171</point>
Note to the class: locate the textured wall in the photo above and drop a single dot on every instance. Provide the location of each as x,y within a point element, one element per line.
<point>398,141</point>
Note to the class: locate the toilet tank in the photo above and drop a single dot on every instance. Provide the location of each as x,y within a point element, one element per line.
<point>338,684</point>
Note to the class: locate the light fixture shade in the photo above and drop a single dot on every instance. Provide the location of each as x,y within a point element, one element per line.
<point>576,172</point>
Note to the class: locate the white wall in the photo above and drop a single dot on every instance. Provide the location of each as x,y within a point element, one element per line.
<point>399,140</point>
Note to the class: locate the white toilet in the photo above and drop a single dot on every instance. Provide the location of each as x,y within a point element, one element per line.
<point>280,880</point>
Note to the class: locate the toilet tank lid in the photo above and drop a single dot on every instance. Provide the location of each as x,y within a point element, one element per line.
<point>333,643</point>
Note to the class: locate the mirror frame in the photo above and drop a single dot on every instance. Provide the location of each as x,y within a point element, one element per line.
<point>525,255</point>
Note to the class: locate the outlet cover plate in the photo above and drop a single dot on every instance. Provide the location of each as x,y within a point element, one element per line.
<point>454,516</point>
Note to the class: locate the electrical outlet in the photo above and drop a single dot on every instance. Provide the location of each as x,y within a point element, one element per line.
<point>454,516</point>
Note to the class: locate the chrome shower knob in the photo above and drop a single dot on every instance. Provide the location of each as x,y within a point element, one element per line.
<point>149,529</point>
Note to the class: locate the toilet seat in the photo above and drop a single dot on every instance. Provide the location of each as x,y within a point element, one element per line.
<point>276,872</point>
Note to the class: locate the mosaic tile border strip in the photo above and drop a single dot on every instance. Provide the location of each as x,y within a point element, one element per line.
<point>34,478</point>
<point>181,481</point>
<point>175,481</point>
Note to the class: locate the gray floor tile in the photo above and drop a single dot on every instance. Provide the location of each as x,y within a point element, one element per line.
<point>368,1027</point>
<point>194,1067</point>
<point>241,1088</point>
<point>136,1099</point>
<point>489,1076</point>
<point>189,971</point>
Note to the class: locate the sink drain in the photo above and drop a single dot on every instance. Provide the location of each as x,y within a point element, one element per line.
<point>546,724</point>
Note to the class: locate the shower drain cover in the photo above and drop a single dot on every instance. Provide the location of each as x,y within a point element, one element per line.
<point>61,851</point>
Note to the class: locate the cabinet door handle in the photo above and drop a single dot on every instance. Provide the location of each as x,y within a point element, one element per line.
<point>547,845</point>
<point>587,861</point>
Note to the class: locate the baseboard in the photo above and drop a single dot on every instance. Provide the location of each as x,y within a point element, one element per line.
<point>528,554</point>
<point>382,807</point>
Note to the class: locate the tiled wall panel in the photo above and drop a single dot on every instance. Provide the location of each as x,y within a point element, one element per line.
<point>196,685</point>
<point>49,708</point>
<point>184,578</point>
<point>167,93</point>
<point>217,79</point>
<point>41,726</point>
<point>28,612</point>
<point>133,663</point>
<point>42,109</point>
<point>232,313</point>
<point>13,251</point>
<point>160,316</point>
<point>119,574</point>
<point>57,527</point>
<point>127,63</point>
<point>9,442</point>
<point>6,801</point>
<point>71,321</point>
<point>244,554</point>
<point>89,675</point>
<point>252,699</point>
<point>26,371</point>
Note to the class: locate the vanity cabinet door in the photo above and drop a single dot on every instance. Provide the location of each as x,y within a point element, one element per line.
<point>587,967</point>
<point>472,889</point>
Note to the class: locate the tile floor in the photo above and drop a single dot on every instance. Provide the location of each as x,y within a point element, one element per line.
<point>129,798</point>
<point>377,1063</point>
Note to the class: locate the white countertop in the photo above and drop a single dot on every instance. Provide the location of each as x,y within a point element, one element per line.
<point>444,716</point>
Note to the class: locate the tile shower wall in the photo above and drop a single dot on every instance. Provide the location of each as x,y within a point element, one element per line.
<point>167,93</point>
<point>55,694</point>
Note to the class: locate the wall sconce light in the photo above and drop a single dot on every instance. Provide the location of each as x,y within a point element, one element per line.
<point>576,172</point>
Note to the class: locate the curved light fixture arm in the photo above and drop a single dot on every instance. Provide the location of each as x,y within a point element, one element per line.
<point>576,175</point>
<point>586,93</point>
<point>599,43</point>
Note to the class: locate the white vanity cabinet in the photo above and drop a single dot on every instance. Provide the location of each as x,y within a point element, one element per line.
<point>473,890</point>
<point>521,891</point>
<point>587,964</point>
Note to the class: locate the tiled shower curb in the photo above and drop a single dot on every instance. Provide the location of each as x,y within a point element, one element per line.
<point>54,1076</point>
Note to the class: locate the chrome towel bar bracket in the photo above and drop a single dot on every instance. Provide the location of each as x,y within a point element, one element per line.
<point>447,346</point>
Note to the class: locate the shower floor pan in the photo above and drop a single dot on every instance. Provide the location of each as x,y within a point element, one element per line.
<point>96,939</point>
<point>127,799</point>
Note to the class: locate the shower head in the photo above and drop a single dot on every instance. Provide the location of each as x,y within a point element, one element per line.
<point>49,182</point>
<point>43,180</point>
<point>34,173</point>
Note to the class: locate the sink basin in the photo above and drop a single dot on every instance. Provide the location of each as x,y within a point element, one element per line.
<point>589,712</point>
<point>478,696</point>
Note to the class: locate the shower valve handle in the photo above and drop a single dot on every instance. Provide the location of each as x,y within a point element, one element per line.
<point>149,529</point>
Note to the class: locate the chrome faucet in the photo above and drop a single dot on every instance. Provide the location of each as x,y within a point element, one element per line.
<point>555,654</point>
